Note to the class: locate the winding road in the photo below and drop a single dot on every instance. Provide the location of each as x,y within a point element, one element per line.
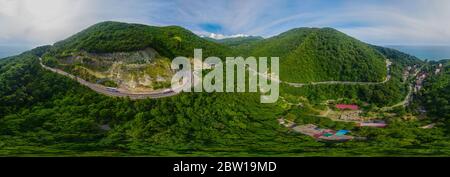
<point>388,77</point>
<point>114,92</point>
<point>275,79</point>
<point>117,92</point>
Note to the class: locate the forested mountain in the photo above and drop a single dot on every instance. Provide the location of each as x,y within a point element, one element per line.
<point>44,113</point>
<point>237,41</point>
<point>306,54</point>
<point>170,41</point>
<point>128,56</point>
<point>313,52</point>
<point>322,54</point>
<point>398,57</point>
<point>435,97</point>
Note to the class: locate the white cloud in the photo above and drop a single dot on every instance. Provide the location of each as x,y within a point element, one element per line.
<point>40,22</point>
<point>405,22</point>
<point>43,21</point>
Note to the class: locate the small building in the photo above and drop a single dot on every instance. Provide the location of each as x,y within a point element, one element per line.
<point>428,126</point>
<point>437,71</point>
<point>347,106</point>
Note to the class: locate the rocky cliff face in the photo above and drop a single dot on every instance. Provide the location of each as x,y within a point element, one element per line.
<point>143,70</point>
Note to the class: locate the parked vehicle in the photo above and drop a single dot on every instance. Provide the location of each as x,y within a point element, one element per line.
<point>111,89</point>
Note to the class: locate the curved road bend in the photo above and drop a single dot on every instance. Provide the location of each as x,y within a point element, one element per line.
<point>120,93</point>
<point>405,102</point>
<point>169,92</point>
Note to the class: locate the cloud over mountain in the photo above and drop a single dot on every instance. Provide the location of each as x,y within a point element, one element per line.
<point>381,22</point>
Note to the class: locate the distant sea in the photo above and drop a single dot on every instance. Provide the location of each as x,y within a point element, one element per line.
<point>425,52</point>
<point>6,51</point>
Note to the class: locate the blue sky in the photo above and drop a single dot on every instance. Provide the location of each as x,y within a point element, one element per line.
<point>381,22</point>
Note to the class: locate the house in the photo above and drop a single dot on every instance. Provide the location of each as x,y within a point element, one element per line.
<point>437,71</point>
<point>347,106</point>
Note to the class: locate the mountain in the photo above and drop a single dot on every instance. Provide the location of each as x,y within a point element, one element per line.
<point>170,41</point>
<point>306,54</point>
<point>236,41</point>
<point>128,56</point>
<point>42,112</point>
<point>322,54</point>
<point>436,93</point>
<point>397,56</point>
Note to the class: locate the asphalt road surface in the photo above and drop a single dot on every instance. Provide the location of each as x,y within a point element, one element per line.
<point>388,77</point>
<point>114,92</point>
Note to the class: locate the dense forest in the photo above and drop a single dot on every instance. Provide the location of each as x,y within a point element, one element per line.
<point>43,113</point>
<point>314,54</point>
<point>237,42</point>
<point>398,57</point>
<point>388,93</point>
<point>435,97</point>
<point>170,41</point>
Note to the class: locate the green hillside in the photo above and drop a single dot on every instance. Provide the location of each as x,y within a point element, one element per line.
<point>306,54</point>
<point>237,41</point>
<point>388,93</point>
<point>436,95</point>
<point>170,41</point>
<point>313,54</point>
<point>44,113</point>
<point>130,56</point>
<point>398,57</point>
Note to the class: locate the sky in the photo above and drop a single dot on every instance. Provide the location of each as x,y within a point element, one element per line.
<point>380,22</point>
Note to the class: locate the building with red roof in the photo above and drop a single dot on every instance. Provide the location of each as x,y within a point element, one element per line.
<point>347,106</point>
